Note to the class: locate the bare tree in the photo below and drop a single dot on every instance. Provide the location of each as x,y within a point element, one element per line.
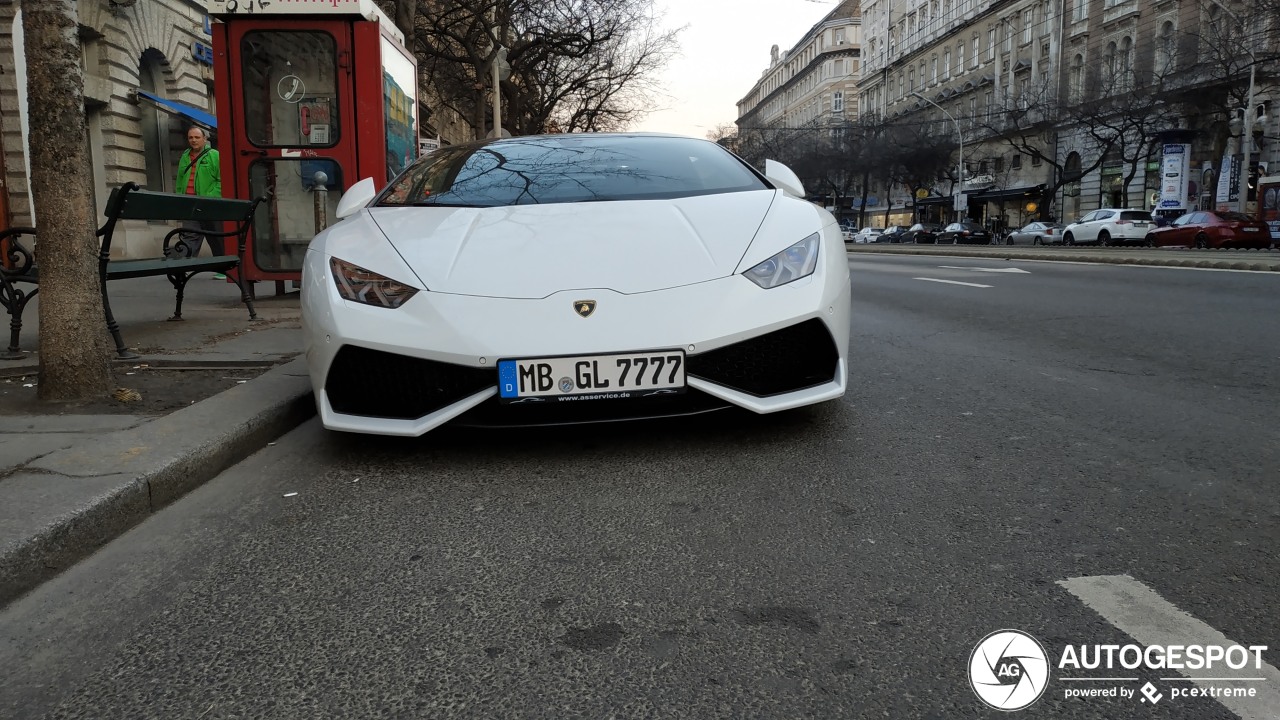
<point>74,357</point>
<point>576,65</point>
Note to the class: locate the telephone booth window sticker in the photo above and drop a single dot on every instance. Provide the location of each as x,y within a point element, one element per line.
<point>290,88</point>
<point>399,98</point>
<point>283,228</point>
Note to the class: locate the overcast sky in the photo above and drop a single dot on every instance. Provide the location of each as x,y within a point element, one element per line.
<point>723,51</point>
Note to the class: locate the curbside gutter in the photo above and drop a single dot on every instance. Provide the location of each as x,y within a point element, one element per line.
<point>67,504</point>
<point>1271,264</point>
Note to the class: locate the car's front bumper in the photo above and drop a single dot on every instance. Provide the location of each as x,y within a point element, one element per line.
<point>435,358</point>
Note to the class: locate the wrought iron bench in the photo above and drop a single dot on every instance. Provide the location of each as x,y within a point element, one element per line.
<point>19,269</point>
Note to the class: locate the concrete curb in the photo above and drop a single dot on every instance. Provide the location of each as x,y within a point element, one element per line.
<point>67,504</point>
<point>1272,264</point>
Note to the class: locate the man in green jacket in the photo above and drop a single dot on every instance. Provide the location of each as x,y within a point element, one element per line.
<point>199,173</point>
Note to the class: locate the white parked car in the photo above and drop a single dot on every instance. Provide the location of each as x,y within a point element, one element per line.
<point>569,278</point>
<point>1109,226</point>
<point>868,235</point>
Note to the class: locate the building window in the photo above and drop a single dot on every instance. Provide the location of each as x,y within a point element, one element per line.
<point>946,63</point>
<point>1016,162</point>
<point>839,36</point>
<point>1126,63</point>
<point>1110,66</point>
<point>1028,21</point>
<point>1079,10</point>
<point>934,74</point>
<point>837,101</point>
<point>960,59</point>
<point>1035,161</point>
<point>911,80</point>
<point>1166,51</point>
<point>1008,28</point>
<point>1075,81</point>
<point>977,46</point>
<point>991,44</point>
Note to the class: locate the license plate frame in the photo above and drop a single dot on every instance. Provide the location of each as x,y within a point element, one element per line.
<point>602,376</point>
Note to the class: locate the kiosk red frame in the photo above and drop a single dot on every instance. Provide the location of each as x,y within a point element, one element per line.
<point>305,87</point>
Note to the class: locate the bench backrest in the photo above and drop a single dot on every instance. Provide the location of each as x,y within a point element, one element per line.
<point>147,205</point>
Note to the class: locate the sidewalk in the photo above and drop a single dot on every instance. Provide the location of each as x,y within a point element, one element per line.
<point>70,483</point>
<point>1258,260</point>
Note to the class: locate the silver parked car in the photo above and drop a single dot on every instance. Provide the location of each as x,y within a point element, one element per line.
<point>1037,233</point>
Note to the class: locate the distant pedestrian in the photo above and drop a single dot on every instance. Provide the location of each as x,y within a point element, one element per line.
<point>200,173</point>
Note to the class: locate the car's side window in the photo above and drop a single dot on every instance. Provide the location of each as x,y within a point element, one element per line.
<point>1088,217</point>
<point>1102,215</point>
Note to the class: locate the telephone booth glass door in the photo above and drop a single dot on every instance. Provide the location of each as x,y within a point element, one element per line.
<point>297,132</point>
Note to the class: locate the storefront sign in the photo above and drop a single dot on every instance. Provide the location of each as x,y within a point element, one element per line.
<point>1174,175</point>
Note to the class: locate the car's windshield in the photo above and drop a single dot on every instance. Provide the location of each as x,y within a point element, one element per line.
<point>561,169</point>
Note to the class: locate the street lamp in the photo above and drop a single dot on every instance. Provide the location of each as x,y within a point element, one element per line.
<point>1246,140</point>
<point>959,134</point>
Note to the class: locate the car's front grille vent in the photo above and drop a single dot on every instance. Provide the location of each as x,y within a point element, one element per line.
<point>374,383</point>
<point>786,360</point>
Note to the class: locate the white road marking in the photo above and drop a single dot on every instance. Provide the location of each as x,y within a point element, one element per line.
<point>952,282</point>
<point>999,270</point>
<point>1151,620</point>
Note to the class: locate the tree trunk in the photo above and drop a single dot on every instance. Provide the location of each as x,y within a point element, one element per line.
<point>74,356</point>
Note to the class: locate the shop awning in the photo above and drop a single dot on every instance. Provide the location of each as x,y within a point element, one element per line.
<point>194,114</point>
<point>1009,193</point>
<point>936,200</point>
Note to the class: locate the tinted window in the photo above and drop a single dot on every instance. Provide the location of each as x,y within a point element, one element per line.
<point>1088,217</point>
<point>560,169</point>
<point>1135,215</point>
<point>1234,216</point>
<point>1103,215</point>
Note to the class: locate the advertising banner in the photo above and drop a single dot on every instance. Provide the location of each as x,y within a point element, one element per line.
<point>1174,171</point>
<point>1228,182</point>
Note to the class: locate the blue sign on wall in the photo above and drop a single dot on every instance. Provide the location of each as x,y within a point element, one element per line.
<point>202,53</point>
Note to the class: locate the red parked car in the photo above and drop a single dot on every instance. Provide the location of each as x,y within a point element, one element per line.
<point>1212,229</point>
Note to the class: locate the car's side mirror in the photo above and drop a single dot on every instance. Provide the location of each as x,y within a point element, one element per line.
<point>782,176</point>
<point>356,197</point>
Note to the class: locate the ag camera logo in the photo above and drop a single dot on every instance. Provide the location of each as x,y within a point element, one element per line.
<point>1009,670</point>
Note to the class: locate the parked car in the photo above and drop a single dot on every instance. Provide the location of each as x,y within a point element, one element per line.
<point>1109,226</point>
<point>1212,229</point>
<point>965,233</point>
<point>868,234</point>
<point>922,233</point>
<point>1037,233</point>
<point>892,234</point>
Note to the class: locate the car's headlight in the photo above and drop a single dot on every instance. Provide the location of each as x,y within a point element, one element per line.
<point>368,287</point>
<point>795,262</point>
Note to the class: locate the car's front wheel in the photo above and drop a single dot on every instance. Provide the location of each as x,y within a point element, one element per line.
<point>1149,241</point>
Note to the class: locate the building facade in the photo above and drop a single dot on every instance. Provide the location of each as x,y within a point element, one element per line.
<point>814,84</point>
<point>1067,103</point>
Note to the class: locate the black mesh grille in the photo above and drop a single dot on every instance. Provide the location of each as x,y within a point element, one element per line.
<point>786,360</point>
<point>374,383</point>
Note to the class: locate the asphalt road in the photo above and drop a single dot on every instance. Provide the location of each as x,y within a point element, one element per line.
<point>1070,421</point>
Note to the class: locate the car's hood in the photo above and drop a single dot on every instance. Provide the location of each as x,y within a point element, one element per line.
<point>532,251</point>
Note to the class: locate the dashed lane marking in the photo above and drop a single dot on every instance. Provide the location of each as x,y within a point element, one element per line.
<point>1142,614</point>
<point>953,282</point>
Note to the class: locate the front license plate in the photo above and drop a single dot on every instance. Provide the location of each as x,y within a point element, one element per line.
<point>591,377</point>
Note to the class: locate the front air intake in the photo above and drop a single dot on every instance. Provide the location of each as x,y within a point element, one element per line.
<point>793,358</point>
<point>373,383</point>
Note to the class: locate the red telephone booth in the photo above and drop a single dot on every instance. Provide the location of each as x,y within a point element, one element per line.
<point>310,93</point>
